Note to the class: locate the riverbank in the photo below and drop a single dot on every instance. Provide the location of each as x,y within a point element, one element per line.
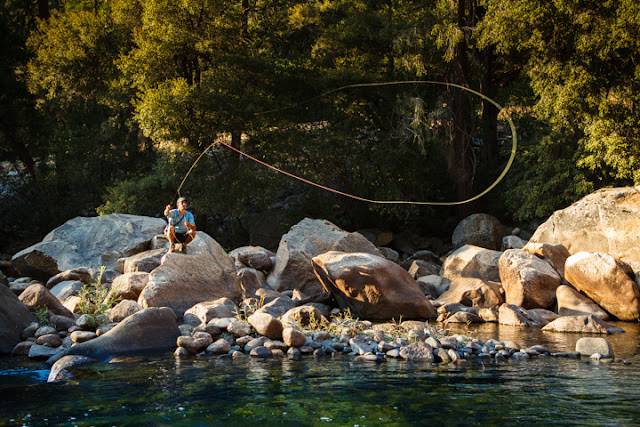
<point>160,389</point>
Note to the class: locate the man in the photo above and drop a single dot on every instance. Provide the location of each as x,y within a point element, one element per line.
<point>182,225</point>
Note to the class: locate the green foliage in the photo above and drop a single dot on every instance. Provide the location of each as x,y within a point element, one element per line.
<point>109,104</point>
<point>42,315</point>
<point>95,301</point>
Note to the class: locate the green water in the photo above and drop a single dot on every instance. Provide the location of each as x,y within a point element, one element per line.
<point>160,390</point>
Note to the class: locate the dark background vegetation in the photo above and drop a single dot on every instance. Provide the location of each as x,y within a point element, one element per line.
<point>105,105</point>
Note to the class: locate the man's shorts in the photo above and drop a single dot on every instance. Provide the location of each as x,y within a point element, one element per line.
<point>182,237</point>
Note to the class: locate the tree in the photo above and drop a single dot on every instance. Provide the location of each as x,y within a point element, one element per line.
<point>579,59</point>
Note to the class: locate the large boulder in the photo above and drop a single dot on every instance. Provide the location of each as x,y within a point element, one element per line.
<point>472,261</point>
<point>481,230</point>
<point>89,242</point>
<point>473,292</point>
<point>14,318</point>
<point>128,285</point>
<point>606,221</point>
<point>37,295</point>
<point>371,286</point>
<point>149,329</point>
<point>528,281</point>
<point>607,281</point>
<point>305,240</point>
<point>204,273</point>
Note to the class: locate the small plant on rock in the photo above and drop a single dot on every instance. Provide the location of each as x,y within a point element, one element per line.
<point>42,315</point>
<point>95,301</point>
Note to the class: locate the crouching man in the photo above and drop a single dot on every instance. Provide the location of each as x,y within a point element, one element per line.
<point>182,225</point>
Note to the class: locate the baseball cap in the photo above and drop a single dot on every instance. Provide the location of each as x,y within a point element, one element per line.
<point>181,199</point>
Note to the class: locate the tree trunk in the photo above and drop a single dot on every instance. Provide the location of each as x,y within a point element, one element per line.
<point>460,161</point>
<point>43,9</point>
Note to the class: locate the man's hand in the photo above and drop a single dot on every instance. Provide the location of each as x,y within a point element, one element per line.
<point>191,226</point>
<point>167,210</point>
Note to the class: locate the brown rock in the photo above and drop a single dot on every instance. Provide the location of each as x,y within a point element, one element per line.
<point>606,221</point>
<point>301,316</point>
<point>555,255</point>
<point>293,337</point>
<point>607,281</point>
<point>472,292</point>
<point>472,261</point>
<point>512,315</point>
<point>129,285</point>
<point>124,309</point>
<point>372,287</point>
<point>38,295</point>
<point>266,325</point>
<point>573,303</point>
<point>528,281</point>
<point>14,318</point>
<point>304,241</point>
<point>582,324</point>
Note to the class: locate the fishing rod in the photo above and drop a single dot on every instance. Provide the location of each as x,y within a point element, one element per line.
<point>514,146</point>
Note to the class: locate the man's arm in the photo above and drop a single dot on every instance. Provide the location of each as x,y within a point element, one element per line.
<point>167,210</point>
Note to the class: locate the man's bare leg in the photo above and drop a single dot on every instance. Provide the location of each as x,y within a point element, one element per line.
<point>171,236</point>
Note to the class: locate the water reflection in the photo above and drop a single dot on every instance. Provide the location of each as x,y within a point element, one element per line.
<point>161,390</point>
<point>625,345</point>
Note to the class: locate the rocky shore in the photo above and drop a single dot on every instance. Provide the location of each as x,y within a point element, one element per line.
<point>325,291</point>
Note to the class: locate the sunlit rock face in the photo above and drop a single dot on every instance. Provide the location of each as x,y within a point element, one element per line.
<point>372,287</point>
<point>606,221</point>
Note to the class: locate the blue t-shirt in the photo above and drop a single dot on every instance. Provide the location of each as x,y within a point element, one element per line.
<point>178,221</point>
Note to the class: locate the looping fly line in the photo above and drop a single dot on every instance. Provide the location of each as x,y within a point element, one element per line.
<point>406,202</point>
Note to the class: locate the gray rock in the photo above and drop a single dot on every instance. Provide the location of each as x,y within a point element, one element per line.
<point>261,352</point>
<point>80,274</point>
<point>88,242</point>
<point>66,289</point>
<point>512,242</point>
<point>587,346</point>
<point>149,329</point>
<point>207,310</point>
<point>22,348</point>
<point>238,328</point>
<point>42,352</point>
<point>417,351</point>
<point>481,230</point>
<point>145,262</point>
<point>205,273</point>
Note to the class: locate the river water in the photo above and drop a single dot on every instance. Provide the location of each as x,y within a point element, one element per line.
<point>157,389</point>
